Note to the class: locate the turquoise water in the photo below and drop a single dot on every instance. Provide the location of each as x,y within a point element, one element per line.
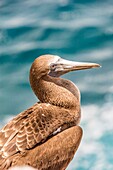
<point>75,30</point>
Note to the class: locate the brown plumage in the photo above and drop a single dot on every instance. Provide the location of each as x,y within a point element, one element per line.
<point>46,136</point>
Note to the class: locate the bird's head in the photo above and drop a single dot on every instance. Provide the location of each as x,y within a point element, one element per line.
<point>46,85</point>
<point>55,66</point>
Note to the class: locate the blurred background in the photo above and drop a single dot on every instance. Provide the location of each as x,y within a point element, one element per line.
<point>80,30</point>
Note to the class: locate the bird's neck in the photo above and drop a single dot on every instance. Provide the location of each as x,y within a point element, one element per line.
<point>56,91</point>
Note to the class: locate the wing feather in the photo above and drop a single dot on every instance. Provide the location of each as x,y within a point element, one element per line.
<point>55,153</point>
<point>32,127</point>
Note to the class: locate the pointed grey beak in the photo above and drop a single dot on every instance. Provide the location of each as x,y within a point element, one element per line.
<point>64,66</point>
<point>73,66</point>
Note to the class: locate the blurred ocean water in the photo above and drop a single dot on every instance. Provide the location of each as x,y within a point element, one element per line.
<point>76,30</point>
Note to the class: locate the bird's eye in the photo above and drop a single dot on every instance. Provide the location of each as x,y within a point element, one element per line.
<point>53,66</point>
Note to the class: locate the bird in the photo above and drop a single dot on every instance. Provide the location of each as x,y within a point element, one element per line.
<point>46,135</point>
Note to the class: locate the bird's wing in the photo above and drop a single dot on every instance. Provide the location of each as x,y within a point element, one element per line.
<point>30,128</point>
<point>55,153</point>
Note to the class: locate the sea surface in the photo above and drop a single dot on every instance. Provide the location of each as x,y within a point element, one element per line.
<point>79,30</point>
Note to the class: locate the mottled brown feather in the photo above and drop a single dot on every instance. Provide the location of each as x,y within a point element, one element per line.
<point>58,150</point>
<point>34,126</point>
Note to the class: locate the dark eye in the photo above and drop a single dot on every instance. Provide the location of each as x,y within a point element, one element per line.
<point>53,66</point>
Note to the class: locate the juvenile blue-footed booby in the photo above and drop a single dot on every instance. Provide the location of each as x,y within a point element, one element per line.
<point>46,136</point>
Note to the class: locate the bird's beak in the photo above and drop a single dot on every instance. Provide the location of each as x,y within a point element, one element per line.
<point>64,66</point>
<point>67,65</point>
